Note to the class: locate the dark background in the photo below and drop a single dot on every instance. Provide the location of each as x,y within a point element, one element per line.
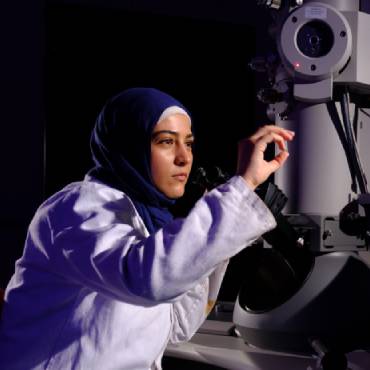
<point>203,63</point>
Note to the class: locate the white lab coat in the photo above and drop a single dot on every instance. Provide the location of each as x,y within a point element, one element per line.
<point>94,291</point>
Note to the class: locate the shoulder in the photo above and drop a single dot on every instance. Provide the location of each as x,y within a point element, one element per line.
<point>90,199</point>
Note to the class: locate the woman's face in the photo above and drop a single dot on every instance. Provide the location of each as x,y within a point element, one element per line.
<point>171,154</point>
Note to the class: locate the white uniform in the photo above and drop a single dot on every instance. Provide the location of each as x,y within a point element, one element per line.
<point>94,291</point>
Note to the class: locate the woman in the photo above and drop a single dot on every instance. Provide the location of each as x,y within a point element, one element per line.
<point>107,278</point>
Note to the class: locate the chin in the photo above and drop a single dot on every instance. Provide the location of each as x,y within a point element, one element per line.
<point>175,193</point>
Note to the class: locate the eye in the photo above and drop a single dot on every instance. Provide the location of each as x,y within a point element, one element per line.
<point>190,144</point>
<point>166,141</point>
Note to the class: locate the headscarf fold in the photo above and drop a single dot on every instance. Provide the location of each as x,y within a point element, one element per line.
<point>120,145</point>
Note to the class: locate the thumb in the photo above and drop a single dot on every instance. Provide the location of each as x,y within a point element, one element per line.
<point>278,161</point>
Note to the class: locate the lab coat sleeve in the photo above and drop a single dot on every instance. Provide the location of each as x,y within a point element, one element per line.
<point>109,255</point>
<point>189,313</point>
<point>222,223</point>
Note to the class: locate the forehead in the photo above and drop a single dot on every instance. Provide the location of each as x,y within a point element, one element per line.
<point>176,122</point>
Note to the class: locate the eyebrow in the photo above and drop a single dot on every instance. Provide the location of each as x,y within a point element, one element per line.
<point>155,134</point>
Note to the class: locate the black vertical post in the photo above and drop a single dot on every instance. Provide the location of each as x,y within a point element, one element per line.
<point>22,124</point>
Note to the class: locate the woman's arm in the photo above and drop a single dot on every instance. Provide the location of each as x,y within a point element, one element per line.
<point>105,252</point>
<point>108,253</point>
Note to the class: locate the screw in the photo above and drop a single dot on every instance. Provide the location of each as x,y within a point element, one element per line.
<point>326,234</point>
<point>300,242</point>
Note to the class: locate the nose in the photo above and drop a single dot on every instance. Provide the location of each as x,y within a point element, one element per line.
<point>183,155</point>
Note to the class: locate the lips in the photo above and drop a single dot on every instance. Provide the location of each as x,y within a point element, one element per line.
<point>180,176</point>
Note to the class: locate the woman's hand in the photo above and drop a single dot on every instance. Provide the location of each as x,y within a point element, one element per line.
<point>251,163</point>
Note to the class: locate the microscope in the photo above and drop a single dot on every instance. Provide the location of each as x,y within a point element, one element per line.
<point>307,288</point>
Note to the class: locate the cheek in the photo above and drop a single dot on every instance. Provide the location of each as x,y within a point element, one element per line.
<point>158,165</point>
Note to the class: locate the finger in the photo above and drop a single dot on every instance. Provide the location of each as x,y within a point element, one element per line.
<point>278,161</point>
<point>287,134</point>
<point>262,142</point>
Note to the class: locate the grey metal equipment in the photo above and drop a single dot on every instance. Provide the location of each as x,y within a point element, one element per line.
<point>307,289</point>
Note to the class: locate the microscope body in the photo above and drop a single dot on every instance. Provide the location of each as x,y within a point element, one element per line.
<point>309,286</point>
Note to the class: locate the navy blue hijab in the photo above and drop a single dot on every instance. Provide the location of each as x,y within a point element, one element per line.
<point>120,146</point>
